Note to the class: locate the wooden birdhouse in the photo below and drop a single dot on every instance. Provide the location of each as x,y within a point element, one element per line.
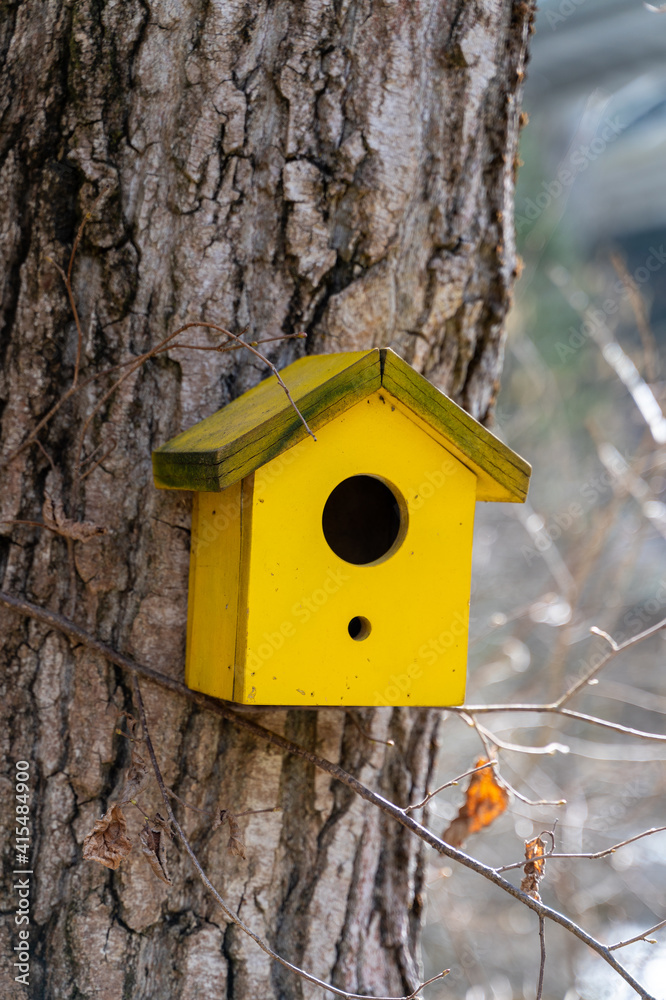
<point>335,571</point>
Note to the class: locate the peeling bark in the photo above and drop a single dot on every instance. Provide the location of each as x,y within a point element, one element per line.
<point>343,167</point>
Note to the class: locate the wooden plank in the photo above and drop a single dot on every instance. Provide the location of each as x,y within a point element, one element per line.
<point>212,606</point>
<point>243,691</point>
<point>501,473</point>
<point>261,423</point>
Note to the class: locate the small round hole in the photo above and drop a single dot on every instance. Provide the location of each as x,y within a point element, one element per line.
<point>359,628</point>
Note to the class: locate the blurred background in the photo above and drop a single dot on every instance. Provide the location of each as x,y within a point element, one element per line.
<point>583,400</point>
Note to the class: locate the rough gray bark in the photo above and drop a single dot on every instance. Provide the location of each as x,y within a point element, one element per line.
<point>339,166</point>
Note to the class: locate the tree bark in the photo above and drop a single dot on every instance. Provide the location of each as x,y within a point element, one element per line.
<point>343,167</point>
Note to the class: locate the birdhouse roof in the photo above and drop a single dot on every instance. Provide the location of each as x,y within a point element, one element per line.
<point>261,424</point>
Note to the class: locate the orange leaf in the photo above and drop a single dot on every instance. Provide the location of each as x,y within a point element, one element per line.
<point>485,800</point>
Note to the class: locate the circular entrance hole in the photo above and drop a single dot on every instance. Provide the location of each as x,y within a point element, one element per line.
<point>359,628</point>
<point>362,519</point>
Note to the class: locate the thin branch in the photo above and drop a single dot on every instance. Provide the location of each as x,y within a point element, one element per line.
<point>523,798</point>
<point>227,348</point>
<point>46,455</point>
<point>448,784</point>
<point>542,962</point>
<point>228,912</point>
<point>67,279</point>
<point>138,360</point>
<point>483,735</point>
<point>366,735</point>
<point>639,937</point>
<point>37,524</point>
<point>592,856</point>
<point>73,389</point>
<point>33,524</point>
<point>214,813</point>
<point>487,738</point>
<point>549,750</point>
<point>593,671</point>
<point>72,305</point>
<point>109,451</point>
<point>253,812</point>
<point>222,709</point>
<point>553,709</point>
<point>604,635</point>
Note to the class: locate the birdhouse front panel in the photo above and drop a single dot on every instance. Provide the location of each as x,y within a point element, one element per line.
<point>335,572</point>
<point>357,569</point>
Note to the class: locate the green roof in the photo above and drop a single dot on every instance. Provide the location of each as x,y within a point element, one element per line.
<point>261,424</point>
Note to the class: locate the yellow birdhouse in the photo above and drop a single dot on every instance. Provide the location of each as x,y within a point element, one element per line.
<point>335,572</point>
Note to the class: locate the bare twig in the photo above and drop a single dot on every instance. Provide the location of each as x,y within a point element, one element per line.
<point>639,937</point>
<point>133,364</point>
<point>72,303</point>
<point>220,708</point>
<point>591,856</point>
<point>615,649</point>
<point>554,709</point>
<point>448,784</point>
<point>67,280</point>
<point>229,913</point>
<point>140,361</point>
<point>33,524</point>
<point>372,739</point>
<point>549,750</point>
<point>489,740</point>
<point>111,447</point>
<point>604,635</point>
<point>227,348</point>
<point>523,798</point>
<point>542,962</point>
<point>46,456</point>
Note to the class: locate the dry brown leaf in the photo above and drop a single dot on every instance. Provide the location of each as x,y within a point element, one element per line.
<point>235,843</point>
<point>54,517</point>
<point>153,839</point>
<point>535,867</point>
<point>485,800</point>
<point>108,843</point>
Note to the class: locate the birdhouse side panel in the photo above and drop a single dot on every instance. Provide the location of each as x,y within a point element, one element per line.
<point>385,623</point>
<point>213,592</point>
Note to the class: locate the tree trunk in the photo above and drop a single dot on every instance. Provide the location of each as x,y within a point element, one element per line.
<point>335,166</point>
